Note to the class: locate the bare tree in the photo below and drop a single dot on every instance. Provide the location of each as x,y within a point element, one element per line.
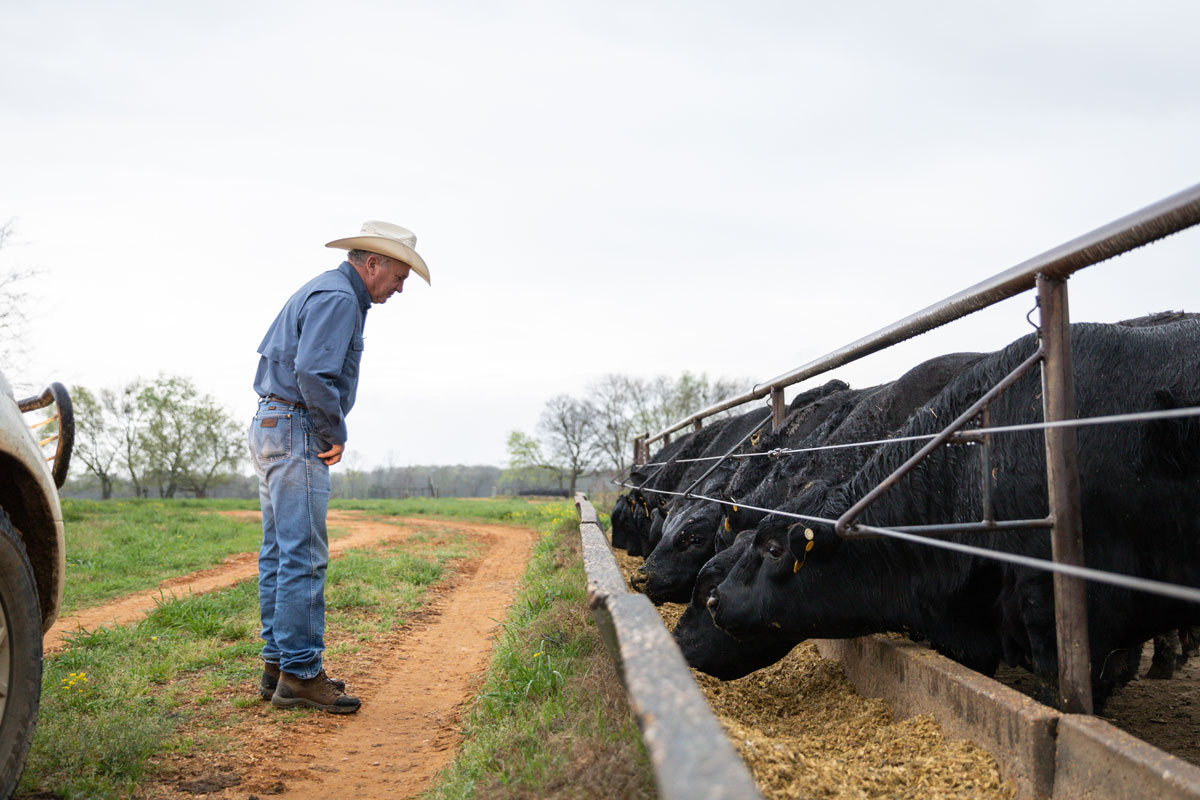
<point>569,432</point>
<point>660,402</point>
<point>14,307</point>
<point>576,436</point>
<point>612,401</point>
<point>97,438</point>
<point>129,415</point>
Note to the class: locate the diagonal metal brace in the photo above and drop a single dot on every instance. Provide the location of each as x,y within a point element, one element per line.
<point>846,527</point>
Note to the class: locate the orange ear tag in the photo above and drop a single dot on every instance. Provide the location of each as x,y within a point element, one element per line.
<point>807,548</point>
<point>728,527</point>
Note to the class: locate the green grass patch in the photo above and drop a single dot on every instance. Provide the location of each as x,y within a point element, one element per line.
<point>115,698</point>
<point>117,547</point>
<point>495,509</point>
<point>551,720</point>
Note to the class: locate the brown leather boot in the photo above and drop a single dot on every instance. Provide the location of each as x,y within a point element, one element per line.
<point>270,679</point>
<point>317,692</point>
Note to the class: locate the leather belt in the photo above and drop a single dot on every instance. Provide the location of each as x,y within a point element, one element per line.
<point>285,401</point>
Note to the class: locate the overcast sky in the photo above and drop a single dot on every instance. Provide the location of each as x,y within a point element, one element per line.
<point>636,187</point>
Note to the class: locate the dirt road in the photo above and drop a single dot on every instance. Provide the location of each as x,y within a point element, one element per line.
<point>414,683</point>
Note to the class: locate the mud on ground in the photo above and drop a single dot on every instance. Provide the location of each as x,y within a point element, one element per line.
<point>1163,713</point>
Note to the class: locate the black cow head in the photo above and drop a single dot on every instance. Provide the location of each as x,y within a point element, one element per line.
<point>621,522</point>
<point>688,541</point>
<point>710,649</point>
<point>786,565</point>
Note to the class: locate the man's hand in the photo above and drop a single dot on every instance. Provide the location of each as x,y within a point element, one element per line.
<point>333,455</point>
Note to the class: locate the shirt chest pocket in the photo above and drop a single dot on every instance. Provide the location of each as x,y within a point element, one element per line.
<point>353,356</point>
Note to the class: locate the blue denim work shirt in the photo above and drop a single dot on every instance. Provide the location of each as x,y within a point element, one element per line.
<point>312,350</point>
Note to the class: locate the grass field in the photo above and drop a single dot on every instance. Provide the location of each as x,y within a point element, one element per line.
<point>115,547</point>
<point>115,700</point>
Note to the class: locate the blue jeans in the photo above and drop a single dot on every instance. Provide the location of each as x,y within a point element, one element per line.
<point>293,490</point>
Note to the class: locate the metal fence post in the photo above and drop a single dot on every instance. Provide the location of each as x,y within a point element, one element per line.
<point>778,409</point>
<point>1062,477</point>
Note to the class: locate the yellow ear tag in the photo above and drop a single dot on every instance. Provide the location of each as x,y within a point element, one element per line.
<point>735,506</point>
<point>808,534</point>
<point>646,507</point>
<point>754,440</point>
<point>807,548</point>
<point>728,527</point>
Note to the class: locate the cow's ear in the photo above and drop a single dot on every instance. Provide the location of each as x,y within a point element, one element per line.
<point>725,535</point>
<point>801,541</point>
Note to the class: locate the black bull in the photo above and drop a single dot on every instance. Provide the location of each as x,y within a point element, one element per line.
<point>831,414</point>
<point>1140,512</point>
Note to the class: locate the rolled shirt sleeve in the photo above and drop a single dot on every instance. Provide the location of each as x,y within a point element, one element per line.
<point>328,328</point>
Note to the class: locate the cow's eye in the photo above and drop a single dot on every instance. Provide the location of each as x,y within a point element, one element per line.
<point>774,550</point>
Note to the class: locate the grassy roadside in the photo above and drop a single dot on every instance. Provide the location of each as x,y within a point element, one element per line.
<point>116,699</point>
<point>551,720</point>
<point>116,547</point>
<point>490,509</point>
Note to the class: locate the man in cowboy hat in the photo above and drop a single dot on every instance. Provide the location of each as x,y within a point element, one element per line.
<point>307,379</point>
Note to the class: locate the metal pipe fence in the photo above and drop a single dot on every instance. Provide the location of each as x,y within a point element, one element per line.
<point>1047,273</point>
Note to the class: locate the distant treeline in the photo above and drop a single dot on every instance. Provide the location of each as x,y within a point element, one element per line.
<point>456,480</point>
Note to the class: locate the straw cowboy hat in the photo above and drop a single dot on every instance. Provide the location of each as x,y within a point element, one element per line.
<point>388,240</point>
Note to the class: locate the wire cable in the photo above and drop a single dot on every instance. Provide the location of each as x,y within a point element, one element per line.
<point>1149,585</point>
<point>1109,419</point>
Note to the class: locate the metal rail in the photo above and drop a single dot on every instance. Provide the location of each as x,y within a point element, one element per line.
<point>691,756</point>
<point>1154,222</point>
<point>58,395</point>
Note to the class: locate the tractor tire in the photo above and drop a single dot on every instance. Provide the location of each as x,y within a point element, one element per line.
<point>20,656</point>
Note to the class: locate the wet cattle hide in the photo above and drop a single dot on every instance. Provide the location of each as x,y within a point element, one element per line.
<point>691,530</point>
<point>693,518</point>
<point>865,415</point>
<point>831,414</point>
<point>710,649</point>
<point>1140,511</point>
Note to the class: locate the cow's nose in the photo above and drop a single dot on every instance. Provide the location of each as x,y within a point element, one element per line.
<point>713,600</point>
<point>639,579</point>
